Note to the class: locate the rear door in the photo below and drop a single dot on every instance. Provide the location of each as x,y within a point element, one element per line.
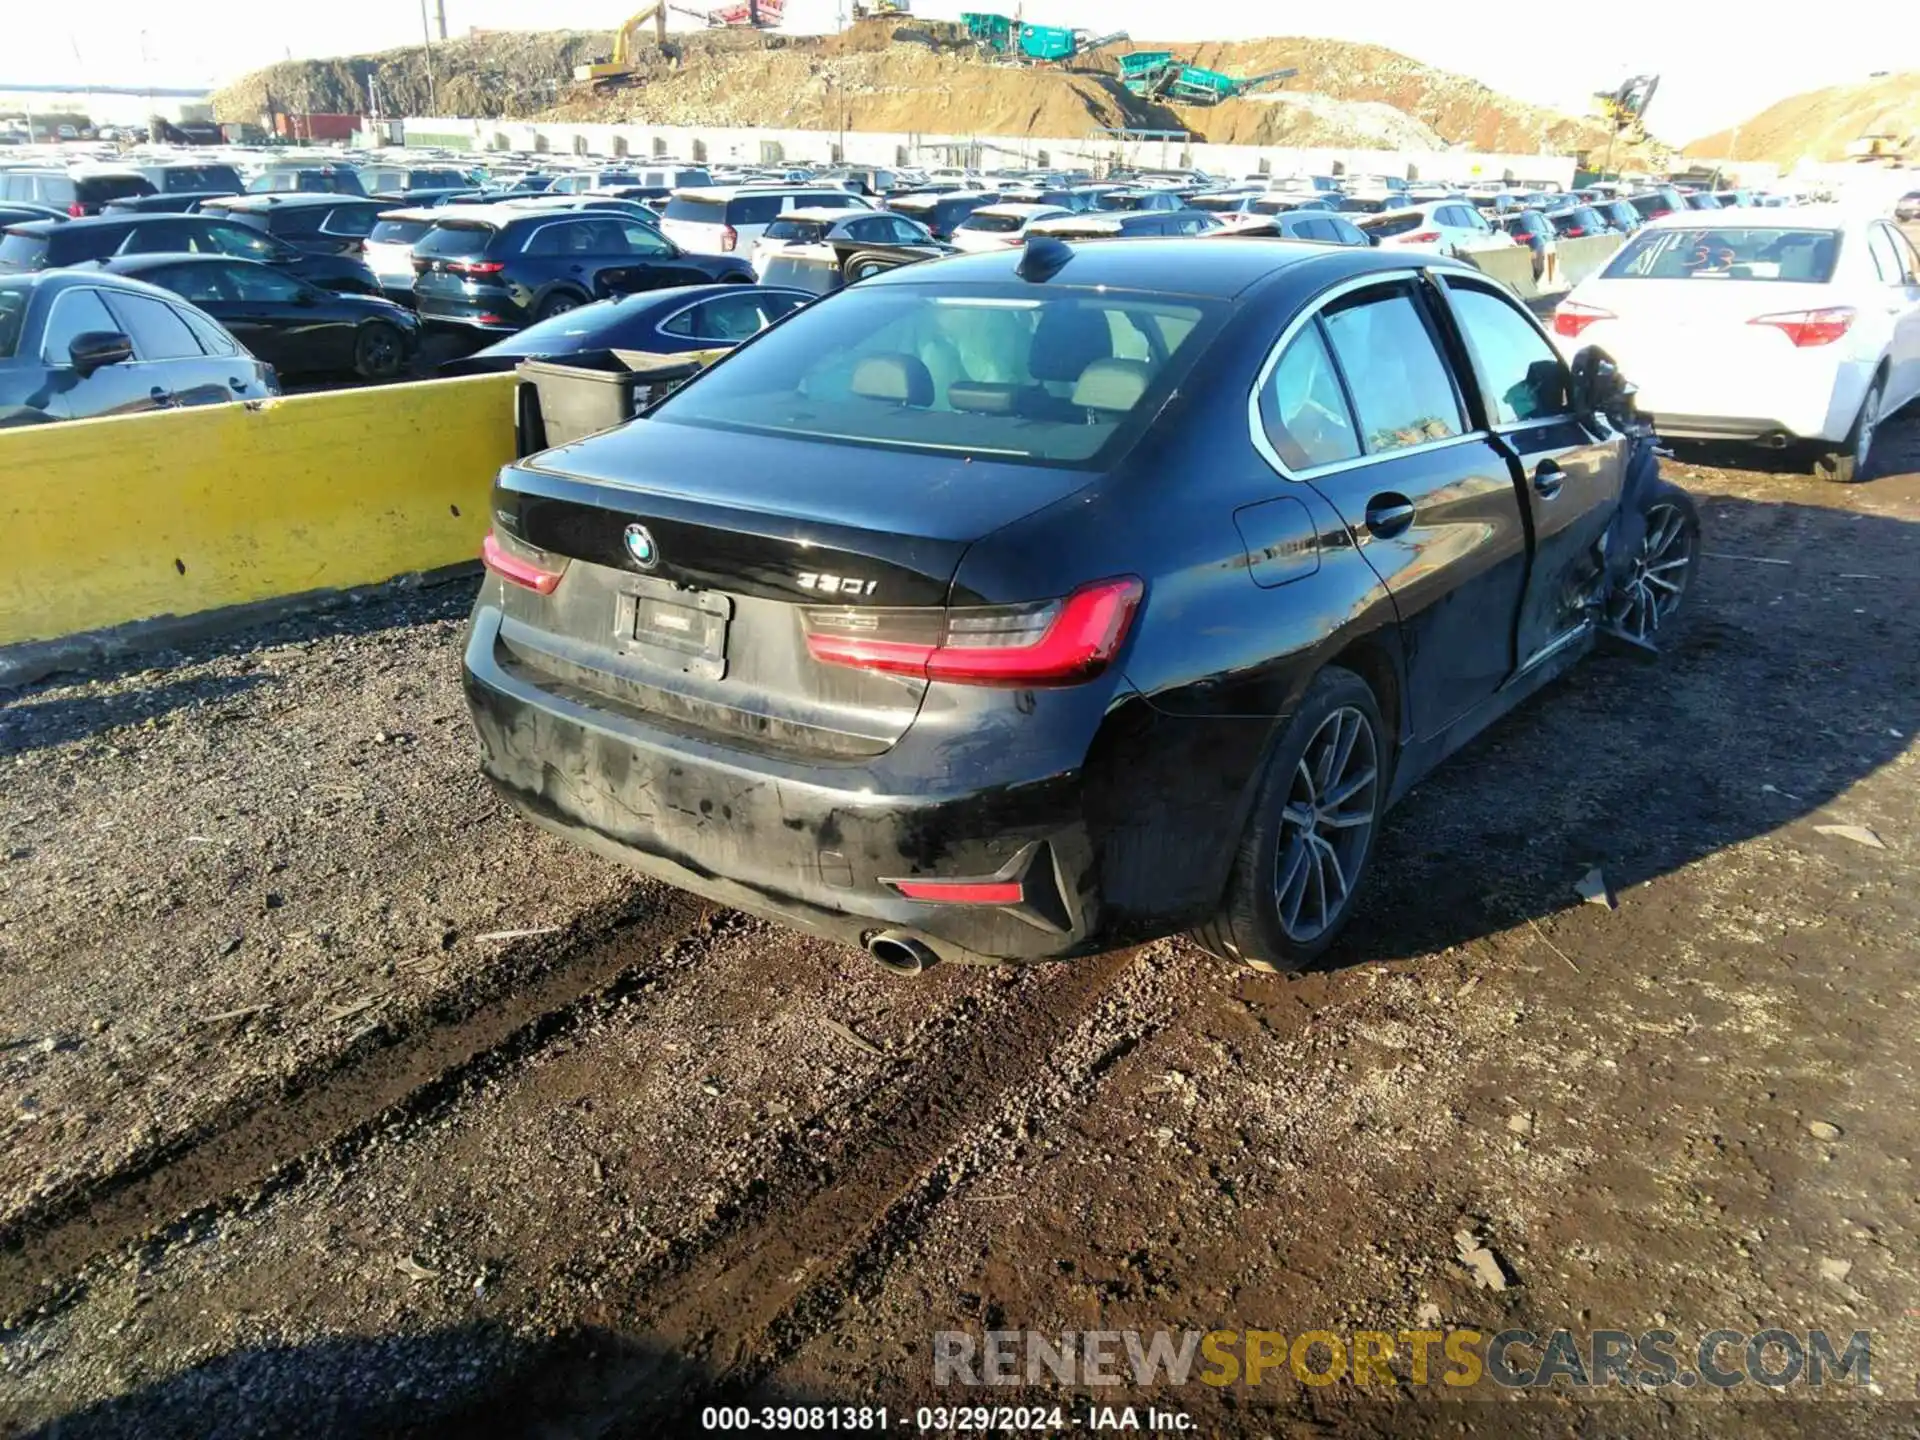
<point>1899,296</point>
<point>1568,474</point>
<point>1362,405</point>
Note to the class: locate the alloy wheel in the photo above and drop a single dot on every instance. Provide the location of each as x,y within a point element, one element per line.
<point>1326,824</point>
<point>1863,437</point>
<point>379,352</point>
<point>1660,572</point>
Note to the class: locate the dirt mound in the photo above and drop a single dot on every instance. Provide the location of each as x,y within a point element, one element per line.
<point>916,76</point>
<point>1820,124</point>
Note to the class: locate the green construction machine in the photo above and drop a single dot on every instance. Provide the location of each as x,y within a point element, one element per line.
<point>1156,75</point>
<point>1003,36</point>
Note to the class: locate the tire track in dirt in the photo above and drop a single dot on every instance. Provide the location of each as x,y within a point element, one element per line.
<point>256,1147</point>
<point>780,1265</point>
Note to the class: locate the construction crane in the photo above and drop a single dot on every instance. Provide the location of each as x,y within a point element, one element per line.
<point>1625,107</point>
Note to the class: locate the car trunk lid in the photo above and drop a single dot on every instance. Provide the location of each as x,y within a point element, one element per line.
<point>690,590</point>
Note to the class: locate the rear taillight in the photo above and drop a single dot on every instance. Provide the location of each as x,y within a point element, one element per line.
<point>1572,317</point>
<point>1810,327</point>
<point>513,559</point>
<point>1049,642</point>
<point>476,267</point>
<point>1425,237</point>
<point>729,237</point>
<point>1573,232</point>
<point>77,210</point>
<point>962,892</point>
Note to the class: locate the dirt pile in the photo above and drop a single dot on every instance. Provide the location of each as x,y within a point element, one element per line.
<point>918,77</point>
<point>1820,124</point>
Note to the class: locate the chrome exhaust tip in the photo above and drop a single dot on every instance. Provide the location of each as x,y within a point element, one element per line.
<point>900,953</point>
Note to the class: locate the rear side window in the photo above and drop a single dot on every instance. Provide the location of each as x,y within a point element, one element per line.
<point>1401,391</point>
<point>1302,408</point>
<point>188,179</point>
<point>994,224</point>
<point>56,190</point>
<point>729,319</point>
<point>354,221</point>
<point>1886,256</point>
<point>212,338</point>
<point>23,252</point>
<point>455,242</point>
<point>1518,370</point>
<point>75,313</point>
<point>156,328</point>
<point>701,211</point>
<point>160,238</point>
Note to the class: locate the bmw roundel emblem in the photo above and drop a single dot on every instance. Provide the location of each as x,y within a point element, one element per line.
<point>641,547</point>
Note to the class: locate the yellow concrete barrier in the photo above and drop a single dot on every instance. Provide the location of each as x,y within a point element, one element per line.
<point>184,511</point>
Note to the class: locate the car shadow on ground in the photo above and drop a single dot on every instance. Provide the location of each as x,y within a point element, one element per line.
<point>1794,675</point>
<point>35,723</point>
<point>478,1379</point>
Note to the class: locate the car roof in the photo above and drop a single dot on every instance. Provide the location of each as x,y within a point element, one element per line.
<point>1170,265</point>
<point>728,192</point>
<point>1020,210</point>
<point>830,213</point>
<point>294,200</point>
<point>56,280</point>
<point>416,212</point>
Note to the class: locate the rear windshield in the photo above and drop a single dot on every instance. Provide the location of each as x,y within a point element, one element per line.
<point>701,211</point>
<point>1728,252</point>
<point>354,220</point>
<point>1386,225</point>
<point>436,180</point>
<point>804,232</point>
<point>191,179</point>
<point>1217,202</point>
<point>398,232</point>
<point>455,242</point>
<point>1065,379</point>
<point>1354,205</point>
<point>1126,202</point>
<point>13,318</point>
<point>997,224</point>
<point>1651,205</point>
<point>23,252</point>
<point>98,189</point>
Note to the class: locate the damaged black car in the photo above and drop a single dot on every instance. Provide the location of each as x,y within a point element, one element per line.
<point>1017,605</point>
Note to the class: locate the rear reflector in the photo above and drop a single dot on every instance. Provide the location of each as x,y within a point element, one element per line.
<point>1810,327</point>
<point>514,560</point>
<point>1572,317</point>
<point>1048,642</point>
<point>962,892</point>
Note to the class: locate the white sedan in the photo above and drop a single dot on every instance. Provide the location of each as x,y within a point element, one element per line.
<point>998,227</point>
<point>1772,326</point>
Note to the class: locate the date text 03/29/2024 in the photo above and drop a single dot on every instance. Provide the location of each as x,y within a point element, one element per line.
<point>939,1419</point>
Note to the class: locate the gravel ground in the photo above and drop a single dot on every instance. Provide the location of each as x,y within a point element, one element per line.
<point>306,1136</point>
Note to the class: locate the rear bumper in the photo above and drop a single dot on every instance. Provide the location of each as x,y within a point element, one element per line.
<point>808,843</point>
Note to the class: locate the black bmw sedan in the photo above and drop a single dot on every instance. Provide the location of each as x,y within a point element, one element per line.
<point>661,322</point>
<point>1016,605</point>
<point>297,328</point>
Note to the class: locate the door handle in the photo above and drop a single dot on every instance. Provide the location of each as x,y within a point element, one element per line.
<point>1547,479</point>
<point>1388,515</point>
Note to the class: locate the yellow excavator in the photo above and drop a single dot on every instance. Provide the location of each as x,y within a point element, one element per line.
<point>626,44</point>
<point>1625,108</point>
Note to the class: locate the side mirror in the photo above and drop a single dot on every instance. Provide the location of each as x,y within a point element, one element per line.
<point>1372,239</point>
<point>96,349</point>
<point>1598,385</point>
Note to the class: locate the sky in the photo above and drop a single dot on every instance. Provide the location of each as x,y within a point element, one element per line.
<point>1719,64</point>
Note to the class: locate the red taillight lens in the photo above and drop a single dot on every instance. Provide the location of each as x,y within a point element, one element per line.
<point>729,237</point>
<point>1572,317</point>
<point>1052,642</point>
<point>1574,232</point>
<point>1425,237</point>
<point>519,562</point>
<point>962,892</point>
<point>1810,327</point>
<point>476,267</point>
<point>77,210</point>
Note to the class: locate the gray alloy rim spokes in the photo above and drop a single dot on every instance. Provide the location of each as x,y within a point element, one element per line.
<point>1660,574</point>
<point>1326,824</point>
<point>1869,418</point>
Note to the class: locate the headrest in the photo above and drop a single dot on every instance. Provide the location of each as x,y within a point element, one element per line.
<point>1115,385</point>
<point>902,379</point>
<point>977,397</point>
<point>1067,340</point>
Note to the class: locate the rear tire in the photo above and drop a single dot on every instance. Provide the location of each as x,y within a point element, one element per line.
<point>555,305</point>
<point>1845,467</point>
<point>1309,841</point>
<point>379,353</point>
